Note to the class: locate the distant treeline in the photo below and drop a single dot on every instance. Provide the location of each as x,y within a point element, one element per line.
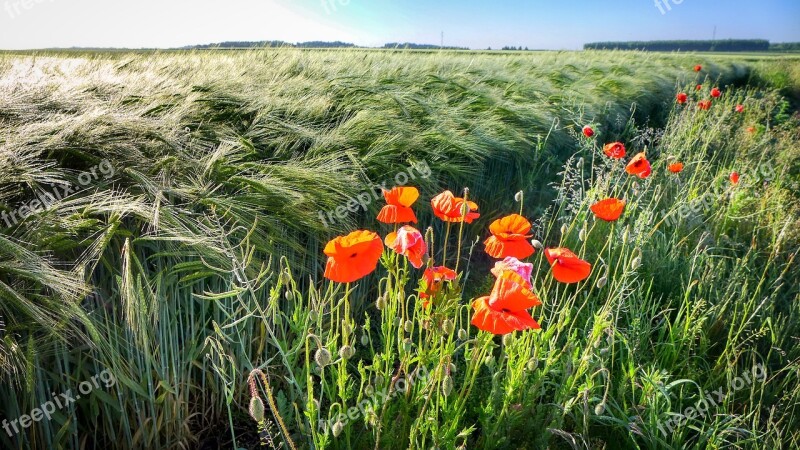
<point>259,44</point>
<point>727,45</point>
<point>413,46</point>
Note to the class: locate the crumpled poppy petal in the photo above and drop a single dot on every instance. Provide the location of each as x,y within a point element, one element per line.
<point>401,196</point>
<point>397,214</point>
<point>500,322</point>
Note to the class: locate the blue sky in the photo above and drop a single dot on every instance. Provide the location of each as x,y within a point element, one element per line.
<point>536,24</point>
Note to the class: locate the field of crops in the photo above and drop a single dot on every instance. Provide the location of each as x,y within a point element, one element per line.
<point>171,277</point>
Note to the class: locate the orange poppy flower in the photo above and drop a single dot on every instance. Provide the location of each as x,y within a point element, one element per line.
<point>505,310</point>
<point>353,257</point>
<point>639,166</point>
<point>734,177</point>
<point>698,68</point>
<point>705,105</point>
<point>682,98</point>
<point>510,238</point>
<point>567,267</point>
<point>676,167</point>
<point>614,150</point>
<point>449,208</point>
<point>398,208</point>
<point>434,279</point>
<point>739,108</point>
<point>609,209</point>
<point>716,93</point>
<point>408,241</point>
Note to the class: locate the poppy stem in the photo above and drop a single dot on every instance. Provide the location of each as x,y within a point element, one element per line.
<point>446,239</point>
<point>464,212</point>
<point>346,314</point>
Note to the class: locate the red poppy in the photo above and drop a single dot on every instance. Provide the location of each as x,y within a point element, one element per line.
<point>734,177</point>
<point>639,166</point>
<point>676,167</point>
<point>505,310</point>
<point>588,131</point>
<point>609,209</point>
<point>716,93</point>
<point>699,87</point>
<point>449,208</point>
<point>510,238</point>
<point>567,267</point>
<point>614,150</point>
<point>682,98</point>
<point>751,130</point>
<point>398,208</point>
<point>434,279</point>
<point>698,68</point>
<point>739,108</point>
<point>353,257</point>
<point>705,105</point>
<point>408,241</point>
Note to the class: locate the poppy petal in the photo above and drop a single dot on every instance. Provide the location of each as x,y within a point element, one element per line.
<point>609,209</point>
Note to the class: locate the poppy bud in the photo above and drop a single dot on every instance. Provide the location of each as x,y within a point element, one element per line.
<point>407,345</point>
<point>448,327</point>
<point>322,357</point>
<point>284,277</point>
<point>289,295</point>
<point>409,326</point>
<point>338,427</point>
<point>582,235</point>
<point>453,368</point>
<point>537,245</point>
<point>580,163</point>
<point>489,360</point>
<point>600,408</point>
<point>347,352</point>
<point>507,339</point>
<point>381,303</point>
<point>564,229</point>
<point>369,390</point>
<point>636,262</point>
<point>313,316</point>
<point>518,197</point>
<point>364,340</point>
<point>602,282</point>
<point>533,363</point>
<point>462,335</point>
<point>379,380</point>
<point>447,385</point>
<point>626,235</point>
<point>257,409</point>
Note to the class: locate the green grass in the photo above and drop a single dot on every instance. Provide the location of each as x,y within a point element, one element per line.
<point>169,276</point>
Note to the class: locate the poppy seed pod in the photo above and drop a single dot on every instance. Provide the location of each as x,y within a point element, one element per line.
<point>347,352</point>
<point>381,303</point>
<point>600,408</point>
<point>322,357</point>
<point>338,427</point>
<point>257,409</point>
<point>447,385</point>
<point>448,327</point>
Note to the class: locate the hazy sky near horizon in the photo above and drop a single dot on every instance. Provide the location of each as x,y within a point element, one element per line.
<point>537,24</point>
